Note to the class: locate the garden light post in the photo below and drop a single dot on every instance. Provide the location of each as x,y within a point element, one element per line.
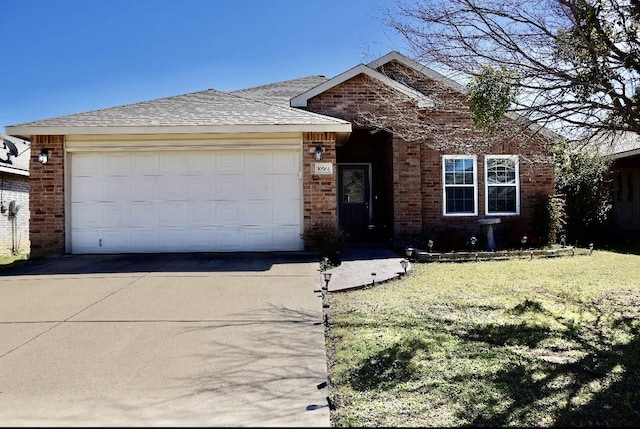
<point>404,263</point>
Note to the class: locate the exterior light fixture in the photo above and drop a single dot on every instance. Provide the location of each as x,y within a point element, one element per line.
<point>327,278</point>
<point>523,240</point>
<point>318,153</point>
<point>373,279</point>
<point>404,263</point>
<point>409,252</point>
<point>43,156</point>
<point>430,245</point>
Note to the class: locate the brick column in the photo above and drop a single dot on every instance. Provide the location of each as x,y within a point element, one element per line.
<point>46,197</point>
<point>319,189</point>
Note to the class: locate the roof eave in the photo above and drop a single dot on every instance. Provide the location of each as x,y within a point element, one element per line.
<point>28,131</point>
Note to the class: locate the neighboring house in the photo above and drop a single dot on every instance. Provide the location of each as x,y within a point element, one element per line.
<point>14,195</point>
<point>623,149</point>
<point>384,150</point>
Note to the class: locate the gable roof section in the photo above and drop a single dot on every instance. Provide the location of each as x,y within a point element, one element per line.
<point>281,92</point>
<point>302,99</point>
<point>426,71</point>
<point>208,111</point>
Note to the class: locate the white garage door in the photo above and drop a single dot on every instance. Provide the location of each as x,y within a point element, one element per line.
<point>181,202</point>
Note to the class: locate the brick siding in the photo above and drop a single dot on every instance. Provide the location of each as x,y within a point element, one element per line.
<point>417,153</point>
<point>14,229</point>
<point>47,223</point>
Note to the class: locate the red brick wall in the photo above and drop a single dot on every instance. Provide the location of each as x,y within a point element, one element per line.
<point>319,190</point>
<point>46,193</point>
<point>444,129</point>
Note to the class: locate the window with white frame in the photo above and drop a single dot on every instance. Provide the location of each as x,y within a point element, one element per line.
<point>502,182</point>
<point>460,185</point>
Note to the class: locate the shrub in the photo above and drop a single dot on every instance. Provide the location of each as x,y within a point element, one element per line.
<point>327,240</point>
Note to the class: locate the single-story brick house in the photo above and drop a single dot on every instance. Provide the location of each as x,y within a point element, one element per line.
<point>383,150</point>
<point>14,195</point>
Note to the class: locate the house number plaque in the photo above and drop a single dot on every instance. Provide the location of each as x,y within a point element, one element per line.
<point>323,168</point>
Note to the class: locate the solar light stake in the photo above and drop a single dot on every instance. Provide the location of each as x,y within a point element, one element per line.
<point>404,263</point>
<point>327,278</point>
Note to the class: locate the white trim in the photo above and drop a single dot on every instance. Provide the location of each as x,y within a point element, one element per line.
<point>475,185</point>
<point>302,99</point>
<point>15,171</point>
<point>31,130</point>
<point>517,185</point>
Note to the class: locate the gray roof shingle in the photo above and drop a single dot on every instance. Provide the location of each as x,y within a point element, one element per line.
<point>203,108</point>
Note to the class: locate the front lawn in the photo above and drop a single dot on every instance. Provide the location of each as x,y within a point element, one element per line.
<point>524,342</point>
<point>11,260</point>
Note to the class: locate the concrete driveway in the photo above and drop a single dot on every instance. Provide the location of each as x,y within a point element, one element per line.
<point>163,340</point>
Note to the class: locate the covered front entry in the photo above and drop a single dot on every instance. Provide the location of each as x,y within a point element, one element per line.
<point>365,185</point>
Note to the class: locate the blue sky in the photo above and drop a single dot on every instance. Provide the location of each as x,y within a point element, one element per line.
<point>68,56</point>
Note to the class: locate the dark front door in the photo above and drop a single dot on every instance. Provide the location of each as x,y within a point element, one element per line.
<point>354,199</point>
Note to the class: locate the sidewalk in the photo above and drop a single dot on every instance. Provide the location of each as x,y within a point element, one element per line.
<point>360,262</point>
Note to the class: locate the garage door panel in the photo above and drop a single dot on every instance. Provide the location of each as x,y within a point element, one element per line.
<point>230,163</point>
<point>258,238</point>
<point>286,238</point>
<point>230,188</point>
<point>172,239</point>
<point>259,213</point>
<point>200,213</point>
<point>116,165</point>
<point>143,188</point>
<point>115,189</point>
<point>201,188</point>
<point>258,163</point>
<point>200,163</point>
<point>144,164</point>
<point>230,238</point>
<point>202,239</point>
<point>285,213</point>
<point>258,187</point>
<point>144,215</point>
<point>116,215</point>
<point>145,240</point>
<point>83,165</point>
<point>172,187</point>
<point>85,214</point>
<point>175,164</point>
<point>285,162</point>
<point>172,214</point>
<point>229,213</point>
<point>86,189</point>
<point>189,201</point>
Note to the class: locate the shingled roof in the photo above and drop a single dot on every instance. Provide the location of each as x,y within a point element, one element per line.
<point>253,110</point>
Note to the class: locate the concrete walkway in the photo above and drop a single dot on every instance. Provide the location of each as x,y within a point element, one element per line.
<point>360,262</point>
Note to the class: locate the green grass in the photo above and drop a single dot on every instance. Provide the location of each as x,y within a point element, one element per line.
<point>542,342</point>
<point>12,260</point>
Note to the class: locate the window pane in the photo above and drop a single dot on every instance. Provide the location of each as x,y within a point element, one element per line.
<point>352,186</point>
<point>502,199</point>
<point>459,200</point>
<point>501,171</point>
